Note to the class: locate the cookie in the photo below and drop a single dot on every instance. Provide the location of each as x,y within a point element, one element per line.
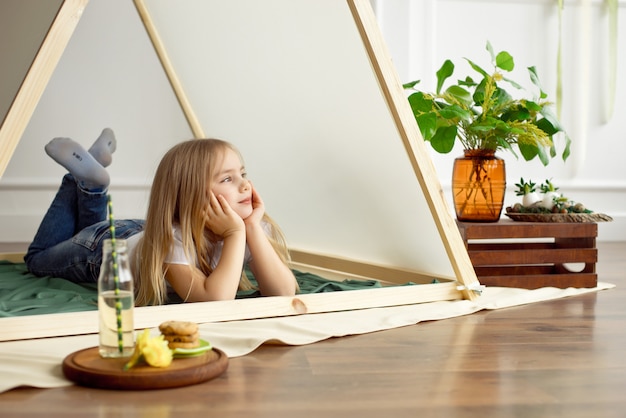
<point>180,334</point>
<point>182,338</point>
<point>178,328</point>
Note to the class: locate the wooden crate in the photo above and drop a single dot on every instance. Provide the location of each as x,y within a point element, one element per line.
<point>532,254</point>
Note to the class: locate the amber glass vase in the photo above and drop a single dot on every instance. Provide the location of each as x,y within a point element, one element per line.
<point>478,186</point>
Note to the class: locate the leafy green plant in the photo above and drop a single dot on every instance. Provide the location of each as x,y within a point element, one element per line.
<point>483,115</point>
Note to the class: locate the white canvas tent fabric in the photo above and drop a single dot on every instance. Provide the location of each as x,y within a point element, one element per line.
<point>37,363</point>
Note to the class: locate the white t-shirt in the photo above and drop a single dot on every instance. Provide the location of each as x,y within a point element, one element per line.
<point>176,254</point>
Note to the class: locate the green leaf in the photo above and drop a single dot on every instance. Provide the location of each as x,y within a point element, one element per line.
<point>420,103</point>
<point>516,131</point>
<point>545,159</point>
<point>468,82</point>
<point>501,97</point>
<point>513,83</point>
<point>502,143</point>
<point>518,113</point>
<point>446,70</point>
<point>477,68</point>
<point>486,125</point>
<point>546,112</point>
<point>535,79</point>
<point>528,151</point>
<point>427,123</point>
<point>455,112</point>
<point>568,143</point>
<point>460,94</point>
<point>410,84</point>
<point>552,151</point>
<point>545,125</point>
<point>489,48</point>
<point>479,92</point>
<point>504,60</point>
<point>532,106</point>
<point>443,140</point>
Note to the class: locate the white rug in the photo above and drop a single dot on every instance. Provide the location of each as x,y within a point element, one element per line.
<point>37,363</point>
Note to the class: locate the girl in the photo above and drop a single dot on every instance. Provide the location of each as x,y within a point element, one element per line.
<point>205,221</point>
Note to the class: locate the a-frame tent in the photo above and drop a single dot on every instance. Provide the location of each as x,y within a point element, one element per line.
<point>353,54</point>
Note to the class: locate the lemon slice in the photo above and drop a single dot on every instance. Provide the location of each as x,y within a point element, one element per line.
<point>190,352</point>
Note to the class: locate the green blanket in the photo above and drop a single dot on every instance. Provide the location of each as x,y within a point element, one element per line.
<point>22,293</point>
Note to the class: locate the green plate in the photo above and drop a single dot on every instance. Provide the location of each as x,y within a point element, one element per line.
<point>190,352</point>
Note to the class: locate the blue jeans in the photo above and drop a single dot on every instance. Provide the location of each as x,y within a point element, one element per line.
<point>68,243</point>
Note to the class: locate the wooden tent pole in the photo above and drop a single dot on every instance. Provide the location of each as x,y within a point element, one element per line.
<point>391,87</point>
<point>37,78</point>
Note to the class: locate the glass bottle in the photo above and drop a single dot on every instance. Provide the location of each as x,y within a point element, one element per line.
<point>116,302</point>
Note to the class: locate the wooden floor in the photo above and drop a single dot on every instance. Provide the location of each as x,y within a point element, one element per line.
<point>565,358</point>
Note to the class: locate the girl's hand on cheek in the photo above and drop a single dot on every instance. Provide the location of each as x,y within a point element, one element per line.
<point>258,208</point>
<point>221,219</point>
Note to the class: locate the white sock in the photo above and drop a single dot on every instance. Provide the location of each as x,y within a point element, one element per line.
<point>88,172</point>
<point>104,147</point>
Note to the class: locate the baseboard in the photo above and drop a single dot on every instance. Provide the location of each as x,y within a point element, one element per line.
<point>24,203</point>
<point>22,228</point>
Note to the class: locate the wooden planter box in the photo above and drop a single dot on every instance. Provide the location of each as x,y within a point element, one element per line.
<point>532,254</point>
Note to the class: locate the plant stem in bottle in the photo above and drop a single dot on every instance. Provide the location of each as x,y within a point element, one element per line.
<point>109,346</point>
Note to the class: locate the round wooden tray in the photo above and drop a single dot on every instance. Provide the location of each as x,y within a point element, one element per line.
<point>87,368</point>
<point>559,217</point>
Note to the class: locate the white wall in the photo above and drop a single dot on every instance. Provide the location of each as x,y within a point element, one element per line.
<point>110,76</point>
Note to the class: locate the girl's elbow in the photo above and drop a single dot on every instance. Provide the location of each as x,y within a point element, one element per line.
<point>290,289</point>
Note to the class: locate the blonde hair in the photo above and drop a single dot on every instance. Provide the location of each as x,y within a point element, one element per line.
<point>179,196</point>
